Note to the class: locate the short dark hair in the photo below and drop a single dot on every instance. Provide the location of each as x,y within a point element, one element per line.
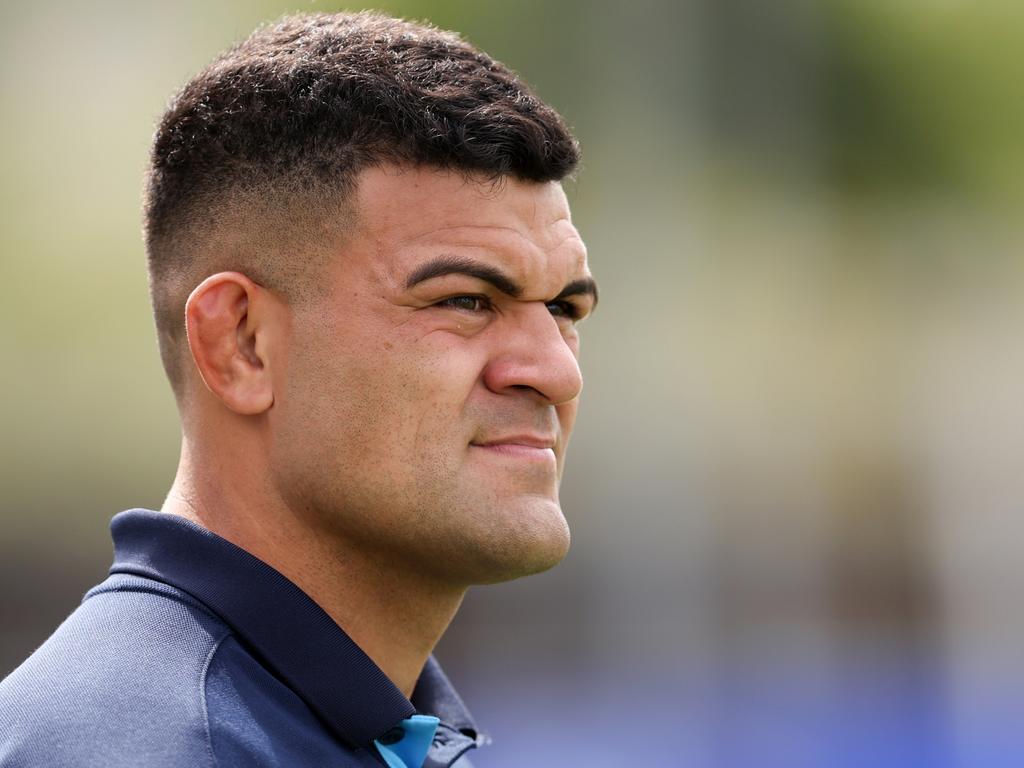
<point>262,148</point>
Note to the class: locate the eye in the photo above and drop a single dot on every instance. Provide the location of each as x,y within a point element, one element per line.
<point>564,309</point>
<point>466,303</point>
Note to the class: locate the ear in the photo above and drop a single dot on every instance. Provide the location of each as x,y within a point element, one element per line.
<point>229,320</point>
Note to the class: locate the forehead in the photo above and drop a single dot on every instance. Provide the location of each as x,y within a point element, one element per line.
<point>524,228</point>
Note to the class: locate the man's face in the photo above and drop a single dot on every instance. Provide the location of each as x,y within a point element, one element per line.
<point>428,399</point>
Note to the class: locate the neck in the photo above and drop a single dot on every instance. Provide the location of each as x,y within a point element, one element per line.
<point>390,611</point>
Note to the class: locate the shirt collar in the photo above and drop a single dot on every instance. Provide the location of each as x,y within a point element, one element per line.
<point>291,635</point>
<point>456,733</point>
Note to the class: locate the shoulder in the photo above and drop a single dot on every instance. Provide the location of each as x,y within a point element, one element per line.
<point>121,682</point>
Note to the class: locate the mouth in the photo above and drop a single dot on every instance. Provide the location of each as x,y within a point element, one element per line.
<point>526,447</point>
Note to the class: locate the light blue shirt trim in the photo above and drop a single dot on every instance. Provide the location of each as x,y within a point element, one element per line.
<point>411,750</point>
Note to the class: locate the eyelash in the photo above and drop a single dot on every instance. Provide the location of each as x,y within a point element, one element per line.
<point>450,302</point>
<point>568,309</point>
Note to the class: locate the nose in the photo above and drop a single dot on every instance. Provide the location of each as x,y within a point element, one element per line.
<point>533,353</point>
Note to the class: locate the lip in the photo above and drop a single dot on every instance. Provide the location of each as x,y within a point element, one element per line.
<point>528,441</point>
<point>520,446</point>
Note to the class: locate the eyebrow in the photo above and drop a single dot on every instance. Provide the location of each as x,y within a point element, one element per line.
<point>454,265</point>
<point>583,286</point>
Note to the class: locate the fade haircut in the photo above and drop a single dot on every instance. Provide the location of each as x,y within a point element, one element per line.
<point>254,162</point>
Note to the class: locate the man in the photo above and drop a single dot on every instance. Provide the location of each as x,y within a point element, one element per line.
<point>366,287</point>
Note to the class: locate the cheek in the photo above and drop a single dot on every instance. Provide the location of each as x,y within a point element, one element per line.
<point>441,380</point>
<point>393,401</point>
<point>329,392</point>
<point>441,362</point>
<point>395,390</point>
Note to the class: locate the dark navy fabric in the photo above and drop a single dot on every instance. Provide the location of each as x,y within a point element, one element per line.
<point>195,653</point>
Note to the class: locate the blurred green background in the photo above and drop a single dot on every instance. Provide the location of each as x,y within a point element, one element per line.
<point>795,487</point>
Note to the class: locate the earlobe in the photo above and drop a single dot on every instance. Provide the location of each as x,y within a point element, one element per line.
<point>224,323</point>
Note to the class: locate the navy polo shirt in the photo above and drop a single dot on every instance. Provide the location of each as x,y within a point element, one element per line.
<point>196,653</point>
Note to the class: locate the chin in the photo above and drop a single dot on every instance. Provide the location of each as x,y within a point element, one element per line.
<point>531,540</point>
